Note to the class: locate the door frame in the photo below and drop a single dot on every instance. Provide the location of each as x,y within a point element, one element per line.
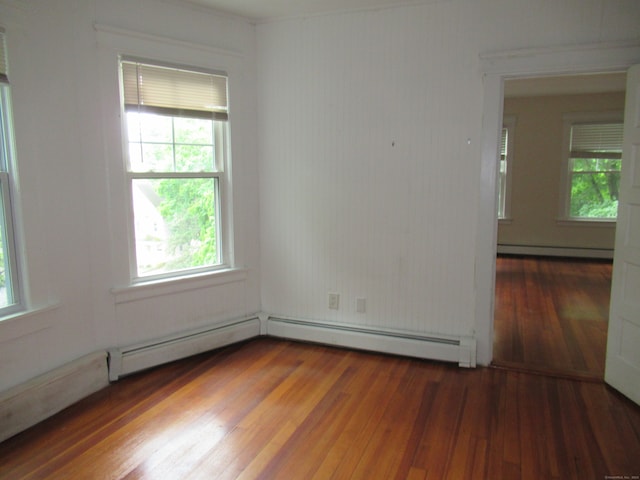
<point>495,69</point>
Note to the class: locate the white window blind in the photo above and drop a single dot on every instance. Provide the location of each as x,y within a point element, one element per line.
<point>173,91</point>
<point>603,140</point>
<point>4,78</point>
<point>503,143</point>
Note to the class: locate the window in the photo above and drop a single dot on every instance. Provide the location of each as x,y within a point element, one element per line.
<point>594,159</point>
<point>10,299</point>
<point>176,128</point>
<point>506,164</point>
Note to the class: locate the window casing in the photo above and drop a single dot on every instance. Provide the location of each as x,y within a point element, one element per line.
<point>505,167</point>
<point>593,152</point>
<point>176,133</point>
<point>10,286</point>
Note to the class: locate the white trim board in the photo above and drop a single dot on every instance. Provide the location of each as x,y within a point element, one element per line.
<point>29,403</point>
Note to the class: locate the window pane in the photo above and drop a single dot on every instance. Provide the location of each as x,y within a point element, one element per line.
<point>596,165</point>
<point>194,131</point>
<point>594,195</point>
<point>157,157</point>
<point>175,224</point>
<point>6,295</point>
<point>170,144</point>
<point>9,283</point>
<point>150,157</point>
<point>155,128</point>
<point>194,158</point>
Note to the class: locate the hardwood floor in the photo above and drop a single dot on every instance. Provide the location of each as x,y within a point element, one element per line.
<point>551,315</point>
<point>276,409</point>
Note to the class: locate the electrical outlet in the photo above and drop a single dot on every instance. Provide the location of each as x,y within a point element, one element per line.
<point>334,301</point>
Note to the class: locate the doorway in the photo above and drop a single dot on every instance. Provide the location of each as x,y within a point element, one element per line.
<point>551,304</point>
<point>622,367</point>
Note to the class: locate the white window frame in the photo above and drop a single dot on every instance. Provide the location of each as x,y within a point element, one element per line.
<point>568,120</point>
<point>13,277</point>
<point>222,174</point>
<point>504,196</point>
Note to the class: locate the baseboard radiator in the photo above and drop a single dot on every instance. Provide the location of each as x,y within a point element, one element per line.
<point>31,402</point>
<point>126,360</point>
<point>461,350</point>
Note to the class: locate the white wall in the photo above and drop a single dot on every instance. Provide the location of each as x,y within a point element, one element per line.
<point>65,99</point>
<point>370,145</point>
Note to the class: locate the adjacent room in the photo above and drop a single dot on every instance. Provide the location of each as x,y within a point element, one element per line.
<point>556,227</point>
<point>259,239</point>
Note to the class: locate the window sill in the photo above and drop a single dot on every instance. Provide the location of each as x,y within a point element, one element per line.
<point>574,222</point>
<point>24,323</point>
<point>155,288</point>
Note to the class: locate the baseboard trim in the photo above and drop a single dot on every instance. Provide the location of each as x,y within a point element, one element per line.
<point>556,251</point>
<point>458,349</point>
<point>29,403</point>
<point>134,358</point>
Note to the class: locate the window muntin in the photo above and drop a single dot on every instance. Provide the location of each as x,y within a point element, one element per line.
<point>10,288</point>
<point>176,156</point>
<point>595,152</point>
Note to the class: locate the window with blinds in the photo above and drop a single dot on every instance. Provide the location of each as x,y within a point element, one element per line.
<point>504,171</point>
<point>595,158</point>
<point>176,125</point>
<point>502,180</point>
<point>10,286</point>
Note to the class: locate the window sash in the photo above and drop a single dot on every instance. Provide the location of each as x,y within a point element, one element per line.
<point>13,290</point>
<point>9,264</point>
<point>612,176</point>
<point>166,137</point>
<point>153,246</point>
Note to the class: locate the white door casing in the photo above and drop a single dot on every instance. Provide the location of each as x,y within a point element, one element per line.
<point>622,369</point>
<point>496,67</point>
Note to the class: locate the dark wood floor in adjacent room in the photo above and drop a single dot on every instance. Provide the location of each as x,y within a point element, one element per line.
<point>551,315</point>
<point>277,409</point>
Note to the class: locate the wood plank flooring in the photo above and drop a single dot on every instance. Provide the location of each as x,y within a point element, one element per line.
<point>274,409</point>
<point>551,315</point>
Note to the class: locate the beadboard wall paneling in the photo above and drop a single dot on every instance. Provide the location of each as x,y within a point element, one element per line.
<point>370,127</point>
<point>361,183</point>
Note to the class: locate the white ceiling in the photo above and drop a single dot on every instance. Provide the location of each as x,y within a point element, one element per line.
<point>265,10</point>
<point>262,10</point>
